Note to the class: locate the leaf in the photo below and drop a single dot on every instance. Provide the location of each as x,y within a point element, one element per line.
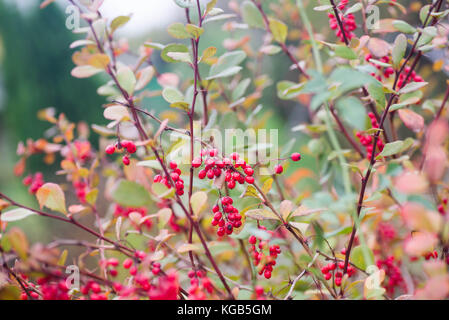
<point>352,111</point>
<point>358,258</point>
<point>87,71</point>
<point>178,30</point>
<point>376,92</point>
<point>345,52</point>
<point>126,79</point>
<point>403,26</point>
<point>45,3</point>
<point>210,6</point>
<point>130,194</point>
<point>226,73</point>
<point>187,247</point>
<point>227,64</point>
<point>198,201</point>
<point>411,119</point>
<point>399,47</point>
<point>18,242</point>
<point>208,53</point>
<point>395,147</point>
<point>194,31</point>
<point>412,86</point>
<point>16,214</point>
<point>154,164</point>
<point>174,47</point>
<point>279,30</point>
<point>172,95</point>
<point>267,185</point>
<point>99,60</point>
<point>285,208</point>
<point>251,15</point>
<point>116,113</point>
<point>261,214</point>
<point>270,49</point>
<point>378,47</point>
<point>119,22</point>
<point>180,56</point>
<point>184,3</point>
<point>288,90</point>
<point>356,7</point>
<point>144,76</point>
<point>51,196</point>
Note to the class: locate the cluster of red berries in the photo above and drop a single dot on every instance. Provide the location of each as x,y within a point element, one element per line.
<point>330,270</point>
<point>175,175</point>
<point>111,265</point>
<point>393,273</point>
<point>199,285</point>
<point>228,219</point>
<point>29,286</point>
<point>129,147</point>
<point>443,207</point>
<point>412,78</point>
<point>34,182</point>
<point>95,288</point>
<point>367,140</point>
<point>347,21</point>
<point>53,289</point>
<point>386,71</point>
<point>262,261</point>
<point>214,167</point>
<point>81,190</point>
<point>386,231</point>
<point>120,211</point>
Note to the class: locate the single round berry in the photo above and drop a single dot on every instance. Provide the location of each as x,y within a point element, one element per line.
<point>110,149</point>
<point>296,156</point>
<point>126,160</point>
<point>278,169</point>
<point>249,179</point>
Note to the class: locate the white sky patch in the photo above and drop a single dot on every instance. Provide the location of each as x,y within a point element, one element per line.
<point>146,14</point>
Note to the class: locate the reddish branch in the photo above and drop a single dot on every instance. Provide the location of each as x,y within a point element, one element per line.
<point>392,98</point>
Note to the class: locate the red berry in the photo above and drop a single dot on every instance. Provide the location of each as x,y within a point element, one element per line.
<point>278,169</point>
<point>110,149</point>
<point>267,274</point>
<point>249,171</point>
<point>126,160</point>
<point>128,263</point>
<point>202,174</point>
<point>249,179</point>
<point>296,156</point>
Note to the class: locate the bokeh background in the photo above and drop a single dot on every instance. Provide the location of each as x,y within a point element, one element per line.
<point>35,65</point>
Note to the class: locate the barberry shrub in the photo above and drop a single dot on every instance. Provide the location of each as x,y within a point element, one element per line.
<point>358,211</point>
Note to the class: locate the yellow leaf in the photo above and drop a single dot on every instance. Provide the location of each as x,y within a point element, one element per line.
<point>51,196</point>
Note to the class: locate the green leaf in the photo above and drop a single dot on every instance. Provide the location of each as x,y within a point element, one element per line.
<point>412,86</point>
<point>251,15</point>
<point>119,22</point>
<point>210,6</point>
<point>208,52</point>
<point>287,90</point>
<point>185,3</point>
<point>356,7</point>
<point>127,79</point>
<point>345,52</point>
<point>154,164</point>
<point>194,31</point>
<point>240,90</point>
<point>226,73</point>
<point>130,194</point>
<point>51,196</point>
<point>398,51</point>
<point>279,30</point>
<point>180,56</point>
<point>395,147</point>
<point>172,95</point>
<point>174,47</point>
<point>178,30</point>
<point>16,214</point>
<point>376,92</point>
<point>352,111</point>
<point>358,258</point>
<point>225,62</point>
<point>403,26</point>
